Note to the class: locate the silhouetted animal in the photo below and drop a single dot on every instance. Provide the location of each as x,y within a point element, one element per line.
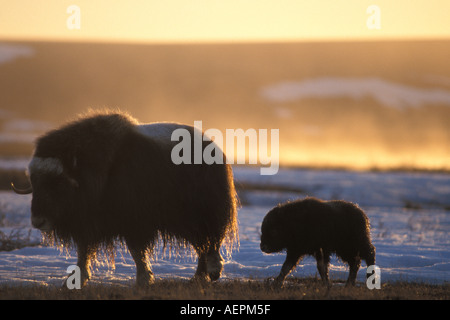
<point>318,228</point>
<point>105,178</point>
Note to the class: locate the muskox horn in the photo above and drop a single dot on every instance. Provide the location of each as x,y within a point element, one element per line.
<point>21,191</point>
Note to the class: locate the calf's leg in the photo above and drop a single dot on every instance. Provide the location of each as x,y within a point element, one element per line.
<point>290,262</point>
<point>323,260</point>
<point>354,264</point>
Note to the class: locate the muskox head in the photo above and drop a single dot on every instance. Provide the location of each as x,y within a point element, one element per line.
<point>69,171</point>
<point>53,191</point>
<point>272,232</point>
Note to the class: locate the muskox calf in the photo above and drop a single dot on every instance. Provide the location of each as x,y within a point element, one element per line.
<point>106,178</point>
<point>318,228</point>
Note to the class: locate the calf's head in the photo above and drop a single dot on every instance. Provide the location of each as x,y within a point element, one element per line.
<point>273,237</point>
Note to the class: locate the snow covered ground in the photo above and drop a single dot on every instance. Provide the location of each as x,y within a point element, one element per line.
<point>391,94</point>
<point>409,213</point>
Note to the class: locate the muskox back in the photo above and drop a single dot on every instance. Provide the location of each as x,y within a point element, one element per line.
<point>318,228</point>
<point>188,202</point>
<point>105,178</point>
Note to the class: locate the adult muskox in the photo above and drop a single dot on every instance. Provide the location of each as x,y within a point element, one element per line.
<point>105,178</point>
<point>318,228</point>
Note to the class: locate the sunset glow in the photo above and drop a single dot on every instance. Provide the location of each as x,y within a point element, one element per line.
<point>220,20</point>
<point>307,69</point>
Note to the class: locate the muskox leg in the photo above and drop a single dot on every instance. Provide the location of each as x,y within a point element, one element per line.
<point>210,265</point>
<point>290,262</point>
<point>323,259</point>
<point>214,264</point>
<point>144,274</point>
<point>202,267</point>
<point>354,264</point>
<point>85,255</point>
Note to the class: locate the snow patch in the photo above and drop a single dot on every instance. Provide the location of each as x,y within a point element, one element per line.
<point>411,244</point>
<point>9,52</point>
<point>385,92</point>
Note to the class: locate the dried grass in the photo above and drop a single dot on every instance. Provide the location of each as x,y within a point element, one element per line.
<point>173,289</point>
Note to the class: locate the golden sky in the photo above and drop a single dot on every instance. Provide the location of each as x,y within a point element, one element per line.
<point>223,20</point>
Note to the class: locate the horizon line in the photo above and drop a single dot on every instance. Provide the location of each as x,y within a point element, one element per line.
<point>224,41</point>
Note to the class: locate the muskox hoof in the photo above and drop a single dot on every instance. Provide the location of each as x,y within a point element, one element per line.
<point>214,275</point>
<point>77,279</point>
<point>214,265</point>
<point>71,284</point>
<point>144,281</point>
<point>201,278</point>
<point>275,283</point>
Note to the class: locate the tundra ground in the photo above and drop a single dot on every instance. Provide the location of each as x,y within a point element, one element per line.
<point>294,289</point>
